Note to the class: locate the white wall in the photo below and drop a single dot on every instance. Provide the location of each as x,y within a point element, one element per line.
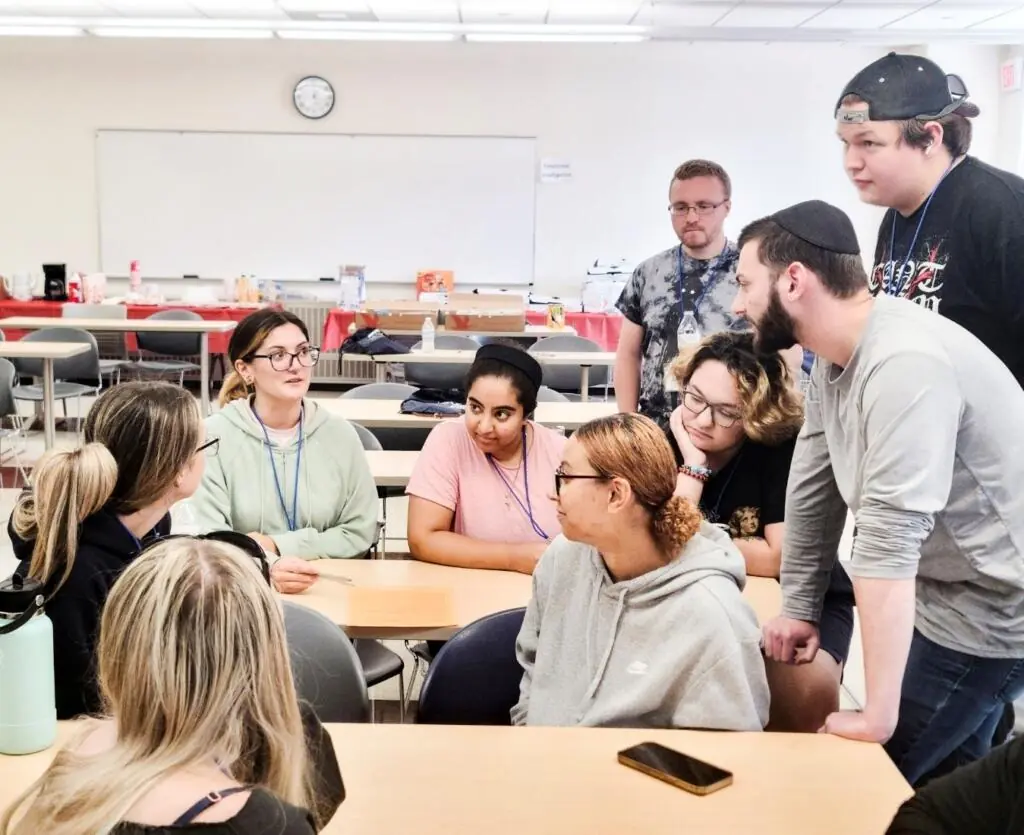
<point>624,116</point>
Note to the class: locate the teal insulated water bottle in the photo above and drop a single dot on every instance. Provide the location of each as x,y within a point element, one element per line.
<point>28,709</point>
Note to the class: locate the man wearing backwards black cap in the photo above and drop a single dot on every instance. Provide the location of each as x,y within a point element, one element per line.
<point>914,426</point>
<point>953,238</point>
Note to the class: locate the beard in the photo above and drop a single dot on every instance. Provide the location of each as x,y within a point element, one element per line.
<point>776,331</point>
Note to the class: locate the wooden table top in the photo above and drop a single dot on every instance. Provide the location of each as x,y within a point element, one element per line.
<point>391,468</point>
<point>29,323</point>
<point>573,359</point>
<point>385,413</point>
<point>449,780</point>
<point>411,599</point>
<point>43,350</point>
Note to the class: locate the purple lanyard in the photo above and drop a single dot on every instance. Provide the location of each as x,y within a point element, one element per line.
<point>528,507</point>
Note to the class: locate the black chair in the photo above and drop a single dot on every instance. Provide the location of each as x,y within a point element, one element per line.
<point>474,679</point>
<point>327,672</point>
<point>164,344</point>
<point>391,438</point>
<point>441,375</point>
<point>565,378</point>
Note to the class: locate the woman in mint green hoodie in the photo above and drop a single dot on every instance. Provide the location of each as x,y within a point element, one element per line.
<point>637,617</point>
<point>290,475</point>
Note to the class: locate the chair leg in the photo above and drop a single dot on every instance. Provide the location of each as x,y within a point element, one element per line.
<point>412,679</point>
<point>401,695</point>
<point>384,530</point>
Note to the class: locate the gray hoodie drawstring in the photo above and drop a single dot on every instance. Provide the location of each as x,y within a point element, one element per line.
<point>596,681</point>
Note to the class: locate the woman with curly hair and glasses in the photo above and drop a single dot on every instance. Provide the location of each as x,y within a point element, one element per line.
<point>734,433</point>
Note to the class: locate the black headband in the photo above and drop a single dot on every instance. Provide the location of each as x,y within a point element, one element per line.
<point>515,357</point>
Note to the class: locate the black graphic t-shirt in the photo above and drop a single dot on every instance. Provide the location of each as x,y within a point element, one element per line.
<point>968,260</point>
<point>749,492</point>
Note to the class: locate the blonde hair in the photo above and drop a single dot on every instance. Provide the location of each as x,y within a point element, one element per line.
<point>772,408</point>
<point>633,447</point>
<point>245,341</point>
<point>139,436</point>
<point>193,666</point>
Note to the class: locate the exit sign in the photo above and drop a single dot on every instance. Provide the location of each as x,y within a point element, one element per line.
<point>1010,73</point>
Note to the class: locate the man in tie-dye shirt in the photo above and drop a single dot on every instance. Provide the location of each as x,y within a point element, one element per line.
<point>696,276</point>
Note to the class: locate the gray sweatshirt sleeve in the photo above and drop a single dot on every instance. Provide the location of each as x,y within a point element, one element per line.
<point>911,407</point>
<point>526,649</point>
<point>815,516</point>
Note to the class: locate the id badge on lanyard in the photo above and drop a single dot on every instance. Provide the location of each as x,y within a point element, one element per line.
<point>689,330</point>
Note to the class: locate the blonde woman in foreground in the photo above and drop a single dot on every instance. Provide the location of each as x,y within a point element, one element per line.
<point>637,617</point>
<point>204,731</point>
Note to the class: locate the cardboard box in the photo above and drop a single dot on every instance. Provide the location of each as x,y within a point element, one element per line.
<point>485,312</point>
<point>399,315</point>
<point>435,281</point>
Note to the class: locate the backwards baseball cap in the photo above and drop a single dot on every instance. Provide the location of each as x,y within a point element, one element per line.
<point>820,224</point>
<point>905,87</point>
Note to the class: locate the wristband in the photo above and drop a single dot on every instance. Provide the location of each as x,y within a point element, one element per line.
<point>693,471</point>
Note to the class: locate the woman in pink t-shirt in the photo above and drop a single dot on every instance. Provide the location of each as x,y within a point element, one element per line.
<point>479,495</point>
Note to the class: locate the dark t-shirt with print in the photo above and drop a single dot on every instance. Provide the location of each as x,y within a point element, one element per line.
<point>654,298</point>
<point>748,493</point>
<point>968,260</point>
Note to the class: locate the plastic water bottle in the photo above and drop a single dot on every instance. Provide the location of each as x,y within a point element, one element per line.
<point>134,278</point>
<point>689,330</point>
<point>28,706</point>
<point>427,336</point>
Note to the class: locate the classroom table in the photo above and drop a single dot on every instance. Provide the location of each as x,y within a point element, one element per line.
<point>454,779</point>
<point>572,359</point>
<point>386,414</point>
<point>204,327</point>
<point>447,599</point>
<point>47,352</point>
<point>391,468</point>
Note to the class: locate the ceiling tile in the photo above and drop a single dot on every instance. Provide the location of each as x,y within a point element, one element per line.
<point>313,7</point>
<point>944,15</point>
<point>689,15</point>
<point>424,11</point>
<point>755,17</point>
<point>848,16</point>
<point>503,11</point>
<point>262,9</point>
<point>153,8</point>
<point>593,11</point>
<point>45,8</point>
<point>1006,22</point>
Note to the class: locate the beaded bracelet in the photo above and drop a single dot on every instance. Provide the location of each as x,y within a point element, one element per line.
<point>697,472</point>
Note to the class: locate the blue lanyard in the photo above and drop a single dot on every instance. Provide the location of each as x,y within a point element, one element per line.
<point>528,507</point>
<point>681,279</point>
<point>293,519</point>
<point>897,290</point>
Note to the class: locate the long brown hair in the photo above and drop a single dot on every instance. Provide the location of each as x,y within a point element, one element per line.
<point>773,410</point>
<point>193,666</point>
<point>139,436</point>
<point>633,447</point>
<point>245,341</point>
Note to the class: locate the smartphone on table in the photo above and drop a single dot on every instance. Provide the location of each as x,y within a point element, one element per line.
<point>681,770</point>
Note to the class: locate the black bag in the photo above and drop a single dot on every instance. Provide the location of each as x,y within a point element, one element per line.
<point>372,341</point>
<point>435,402</point>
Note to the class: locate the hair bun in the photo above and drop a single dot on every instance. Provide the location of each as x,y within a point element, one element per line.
<point>675,523</point>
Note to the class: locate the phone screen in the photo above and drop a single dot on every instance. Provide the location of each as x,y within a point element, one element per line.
<point>678,766</point>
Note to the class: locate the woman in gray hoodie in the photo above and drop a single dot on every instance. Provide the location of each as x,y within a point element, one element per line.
<point>637,617</point>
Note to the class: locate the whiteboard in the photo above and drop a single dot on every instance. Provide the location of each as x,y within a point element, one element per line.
<point>296,206</point>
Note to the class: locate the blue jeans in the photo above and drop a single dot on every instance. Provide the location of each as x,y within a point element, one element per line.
<point>949,709</point>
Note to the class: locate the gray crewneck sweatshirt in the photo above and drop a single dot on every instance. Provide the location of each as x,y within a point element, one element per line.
<point>921,436</point>
<point>677,647</point>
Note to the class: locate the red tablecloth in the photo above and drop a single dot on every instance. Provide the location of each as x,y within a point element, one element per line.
<point>39,307</point>
<point>603,328</point>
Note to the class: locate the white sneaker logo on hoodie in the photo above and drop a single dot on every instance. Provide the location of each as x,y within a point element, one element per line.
<point>637,668</point>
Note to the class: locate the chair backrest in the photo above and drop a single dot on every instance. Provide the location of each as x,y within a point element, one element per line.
<point>441,375</point>
<point>8,376</point>
<point>109,344</point>
<point>171,344</point>
<point>564,378</point>
<point>547,395</point>
<point>368,439</point>
<point>474,680</point>
<point>327,672</point>
<point>380,391</point>
<point>85,366</point>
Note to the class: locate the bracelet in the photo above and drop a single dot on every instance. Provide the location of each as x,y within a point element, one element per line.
<point>700,473</point>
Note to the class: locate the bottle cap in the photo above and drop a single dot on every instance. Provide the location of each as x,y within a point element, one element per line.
<point>18,593</point>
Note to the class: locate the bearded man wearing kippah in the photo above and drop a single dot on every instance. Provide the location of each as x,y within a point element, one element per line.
<point>913,425</point>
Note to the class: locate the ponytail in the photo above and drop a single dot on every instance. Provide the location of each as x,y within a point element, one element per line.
<point>233,388</point>
<point>67,487</point>
<point>675,523</point>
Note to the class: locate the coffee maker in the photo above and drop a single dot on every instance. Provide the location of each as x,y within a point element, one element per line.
<point>55,282</point>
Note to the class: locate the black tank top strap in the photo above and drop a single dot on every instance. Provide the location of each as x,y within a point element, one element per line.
<point>211,799</point>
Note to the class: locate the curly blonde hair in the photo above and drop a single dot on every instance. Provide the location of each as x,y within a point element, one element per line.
<point>773,410</point>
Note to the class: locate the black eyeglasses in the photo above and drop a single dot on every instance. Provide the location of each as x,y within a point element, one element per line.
<point>243,543</point>
<point>282,360</point>
<point>561,476</point>
<point>702,209</point>
<point>210,447</point>
<point>724,416</point>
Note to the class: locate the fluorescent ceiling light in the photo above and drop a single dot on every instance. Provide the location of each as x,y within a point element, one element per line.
<point>554,29</point>
<point>181,32</point>
<point>541,37</point>
<point>41,31</point>
<point>314,6</point>
<point>362,35</point>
